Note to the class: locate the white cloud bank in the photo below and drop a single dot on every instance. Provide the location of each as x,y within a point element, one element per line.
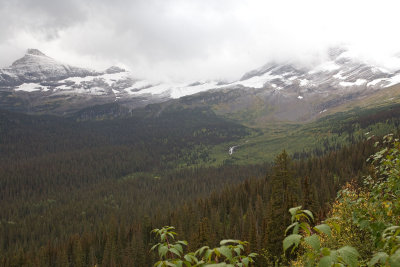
<point>196,39</point>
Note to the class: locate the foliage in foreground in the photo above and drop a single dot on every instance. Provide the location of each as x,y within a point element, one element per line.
<point>363,229</point>
<point>364,221</point>
<point>229,253</point>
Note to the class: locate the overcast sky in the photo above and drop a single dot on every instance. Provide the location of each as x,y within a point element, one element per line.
<point>195,39</point>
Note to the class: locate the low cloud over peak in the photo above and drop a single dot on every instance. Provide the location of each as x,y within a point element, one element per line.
<point>197,39</point>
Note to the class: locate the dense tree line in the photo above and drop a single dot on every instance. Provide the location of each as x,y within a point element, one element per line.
<point>110,223</point>
<point>85,193</point>
<point>44,154</point>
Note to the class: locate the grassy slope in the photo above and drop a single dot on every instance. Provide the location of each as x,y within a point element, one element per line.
<point>382,98</point>
<point>269,139</point>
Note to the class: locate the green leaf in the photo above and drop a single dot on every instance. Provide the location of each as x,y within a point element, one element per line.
<point>162,251</point>
<point>333,255</point>
<point>291,240</point>
<point>172,235</point>
<point>349,255</point>
<point>324,228</point>
<point>246,261</point>
<point>296,229</point>
<point>252,255</point>
<point>293,211</point>
<point>223,264</point>
<point>379,257</point>
<point>226,252</point>
<point>290,227</point>
<point>162,237</point>
<point>325,262</point>
<point>390,231</point>
<point>182,242</point>
<point>201,250</point>
<point>326,251</point>
<point>394,260</point>
<point>227,241</point>
<point>179,248</point>
<point>310,215</point>
<point>175,251</point>
<point>306,227</point>
<point>313,241</point>
<point>217,252</point>
<point>154,247</point>
<point>207,254</point>
<point>190,258</point>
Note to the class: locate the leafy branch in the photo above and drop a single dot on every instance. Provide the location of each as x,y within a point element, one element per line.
<point>229,253</point>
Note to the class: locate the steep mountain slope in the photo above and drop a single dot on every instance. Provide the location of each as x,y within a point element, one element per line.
<point>37,83</point>
<point>35,66</point>
<point>286,92</point>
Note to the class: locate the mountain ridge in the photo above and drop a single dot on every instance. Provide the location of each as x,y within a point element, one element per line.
<point>37,83</point>
<point>35,66</point>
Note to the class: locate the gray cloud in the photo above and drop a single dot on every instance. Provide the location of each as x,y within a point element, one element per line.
<point>195,39</point>
<point>41,17</point>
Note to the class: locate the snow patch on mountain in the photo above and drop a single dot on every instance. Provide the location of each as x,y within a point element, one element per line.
<point>260,81</point>
<point>304,82</point>
<point>340,75</point>
<point>174,90</point>
<point>394,80</point>
<point>29,87</point>
<point>327,66</point>
<point>377,81</point>
<point>358,82</point>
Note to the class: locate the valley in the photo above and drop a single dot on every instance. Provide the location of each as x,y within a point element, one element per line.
<point>88,169</point>
<point>199,133</point>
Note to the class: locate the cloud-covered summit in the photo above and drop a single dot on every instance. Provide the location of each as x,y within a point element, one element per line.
<point>197,39</point>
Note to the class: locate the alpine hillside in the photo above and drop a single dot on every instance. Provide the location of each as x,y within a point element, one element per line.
<point>38,84</point>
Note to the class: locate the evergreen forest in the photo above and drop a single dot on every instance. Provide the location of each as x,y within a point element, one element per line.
<point>84,191</point>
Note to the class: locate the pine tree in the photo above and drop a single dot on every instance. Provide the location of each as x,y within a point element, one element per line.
<point>310,196</point>
<point>282,197</point>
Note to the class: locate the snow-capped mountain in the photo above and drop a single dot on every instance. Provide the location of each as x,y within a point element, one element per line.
<point>38,83</point>
<point>35,66</point>
<point>35,72</point>
<point>288,92</point>
<point>340,72</point>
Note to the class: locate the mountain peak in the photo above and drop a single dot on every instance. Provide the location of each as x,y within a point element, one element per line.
<point>35,66</point>
<point>335,52</point>
<point>35,52</point>
<point>114,69</point>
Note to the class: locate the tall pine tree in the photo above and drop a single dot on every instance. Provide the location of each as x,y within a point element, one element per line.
<point>283,188</point>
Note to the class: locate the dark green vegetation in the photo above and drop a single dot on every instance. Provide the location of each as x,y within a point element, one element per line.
<point>364,223</point>
<point>363,227</point>
<point>88,189</point>
<point>171,252</point>
<point>320,136</point>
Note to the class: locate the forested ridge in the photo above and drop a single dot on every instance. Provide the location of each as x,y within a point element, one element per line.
<point>86,193</point>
